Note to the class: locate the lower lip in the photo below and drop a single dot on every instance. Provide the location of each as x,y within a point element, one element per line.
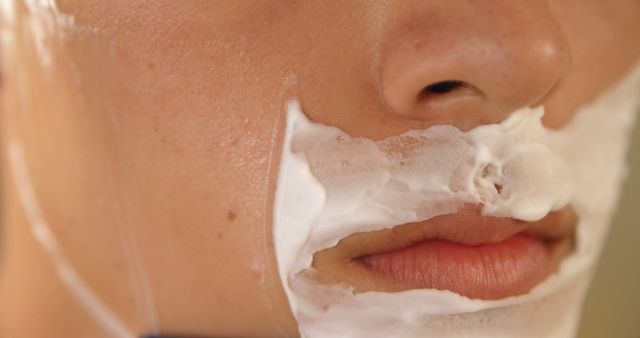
<point>490,271</point>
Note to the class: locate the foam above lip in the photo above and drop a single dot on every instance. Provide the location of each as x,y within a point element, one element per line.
<point>332,185</point>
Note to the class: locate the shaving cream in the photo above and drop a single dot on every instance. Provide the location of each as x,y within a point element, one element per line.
<point>332,185</point>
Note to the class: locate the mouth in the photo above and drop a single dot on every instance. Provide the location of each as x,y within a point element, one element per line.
<point>472,255</point>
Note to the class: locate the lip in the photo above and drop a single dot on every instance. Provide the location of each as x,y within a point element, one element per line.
<point>473,255</point>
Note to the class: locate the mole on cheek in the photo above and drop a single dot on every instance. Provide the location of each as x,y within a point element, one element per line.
<point>231,216</point>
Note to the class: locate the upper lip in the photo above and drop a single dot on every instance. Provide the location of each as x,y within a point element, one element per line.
<point>467,227</point>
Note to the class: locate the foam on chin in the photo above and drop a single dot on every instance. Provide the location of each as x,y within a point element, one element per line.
<point>332,185</point>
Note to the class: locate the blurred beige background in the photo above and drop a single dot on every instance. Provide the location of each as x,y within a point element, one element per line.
<point>613,306</point>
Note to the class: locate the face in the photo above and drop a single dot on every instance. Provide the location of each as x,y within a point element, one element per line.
<point>153,131</point>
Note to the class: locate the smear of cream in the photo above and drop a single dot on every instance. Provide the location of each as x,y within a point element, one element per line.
<point>332,185</point>
<point>48,26</point>
<point>40,229</point>
<point>8,11</point>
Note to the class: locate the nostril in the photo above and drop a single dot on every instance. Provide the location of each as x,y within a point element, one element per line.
<point>442,87</point>
<point>447,90</point>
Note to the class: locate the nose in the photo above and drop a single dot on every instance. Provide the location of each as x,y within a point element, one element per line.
<point>470,62</point>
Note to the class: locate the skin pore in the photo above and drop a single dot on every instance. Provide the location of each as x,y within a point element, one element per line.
<point>152,129</point>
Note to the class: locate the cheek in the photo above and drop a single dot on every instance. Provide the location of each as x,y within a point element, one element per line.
<point>174,159</point>
<point>602,36</point>
<point>200,215</point>
<point>192,140</point>
<point>197,170</point>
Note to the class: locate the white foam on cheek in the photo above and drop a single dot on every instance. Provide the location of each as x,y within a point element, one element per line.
<point>332,185</point>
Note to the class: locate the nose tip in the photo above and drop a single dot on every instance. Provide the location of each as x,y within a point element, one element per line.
<point>473,69</point>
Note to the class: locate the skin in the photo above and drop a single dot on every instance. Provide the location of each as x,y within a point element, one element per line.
<point>156,126</point>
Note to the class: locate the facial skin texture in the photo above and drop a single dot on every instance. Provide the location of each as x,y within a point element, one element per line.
<point>157,126</point>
